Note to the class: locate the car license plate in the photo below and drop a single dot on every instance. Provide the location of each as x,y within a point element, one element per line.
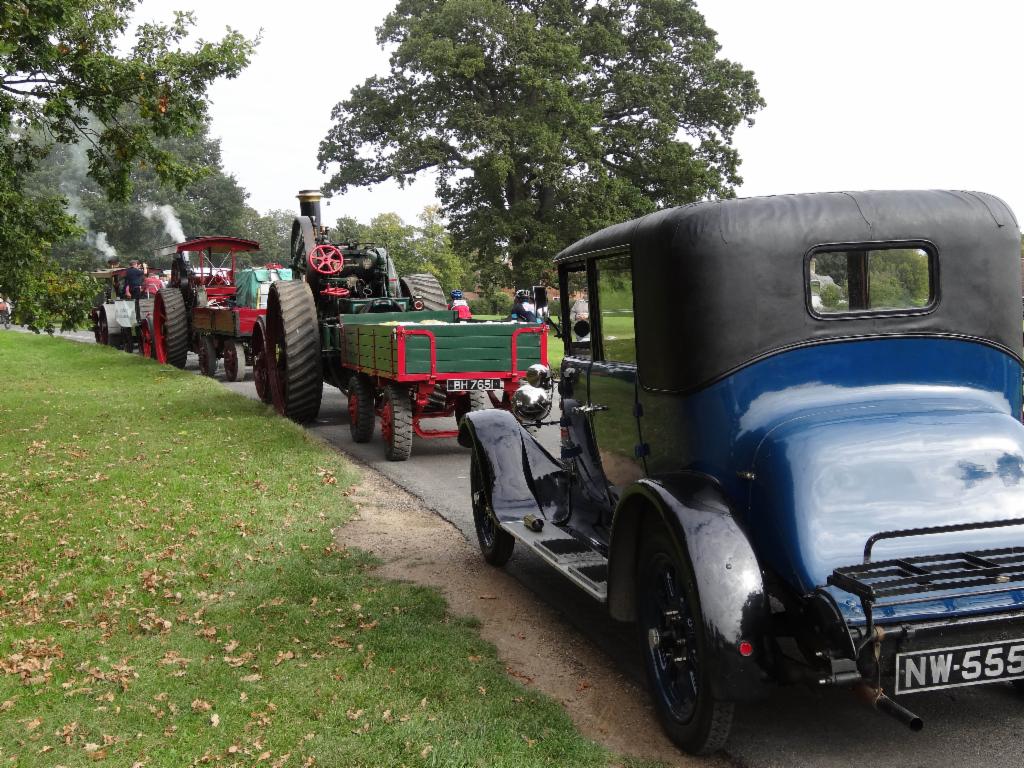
<point>473,385</point>
<point>959,666</point>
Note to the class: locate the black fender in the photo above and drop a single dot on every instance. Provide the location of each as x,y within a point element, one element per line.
<point>733,600</point>
<point>521,476</point>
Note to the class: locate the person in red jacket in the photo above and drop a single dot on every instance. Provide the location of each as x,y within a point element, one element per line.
<point>152,284</point>
<point>460,305</point>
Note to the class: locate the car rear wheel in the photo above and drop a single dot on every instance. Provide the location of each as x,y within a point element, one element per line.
<point>671,635</point>
<point>496,544</point>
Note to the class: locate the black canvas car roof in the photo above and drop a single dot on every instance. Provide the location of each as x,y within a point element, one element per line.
<point>722,283</point>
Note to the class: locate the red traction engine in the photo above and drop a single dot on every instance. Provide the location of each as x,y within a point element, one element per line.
<point>207,307</point>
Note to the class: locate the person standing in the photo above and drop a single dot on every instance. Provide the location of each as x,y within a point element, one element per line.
<point>134,277</point>
<point>523,309</point>
<point>152,284</point>
<point>580,310</point>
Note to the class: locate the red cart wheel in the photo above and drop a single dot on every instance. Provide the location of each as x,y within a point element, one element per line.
<point>260,375</point>
<point>208,356</point>
<point>234,360</point>
<point>102,331</point>
<point>396,422</point>
<point>146,347</point>
<point>326,259</point>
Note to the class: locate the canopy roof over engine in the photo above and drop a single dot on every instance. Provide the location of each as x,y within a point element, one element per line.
<point>213,244</point>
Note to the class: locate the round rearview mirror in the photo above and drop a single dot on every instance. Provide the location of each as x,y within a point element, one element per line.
<point>581,329</point>
<point>531,403</point>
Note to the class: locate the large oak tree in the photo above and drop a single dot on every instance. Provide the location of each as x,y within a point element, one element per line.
<point>545,119</point>
<point>65,79</point>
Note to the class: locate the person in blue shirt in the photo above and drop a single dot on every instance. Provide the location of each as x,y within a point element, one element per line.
<point>134,277</point>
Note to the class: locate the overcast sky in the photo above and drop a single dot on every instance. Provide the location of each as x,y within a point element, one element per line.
<point>862,94</point>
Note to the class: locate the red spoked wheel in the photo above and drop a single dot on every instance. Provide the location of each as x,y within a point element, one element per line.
<point>326,259</point>
<point>146,346</point>
<point>260,373</point>
<point>102,332</point>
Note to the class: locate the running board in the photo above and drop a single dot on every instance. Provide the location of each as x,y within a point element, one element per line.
<point>582,565</point>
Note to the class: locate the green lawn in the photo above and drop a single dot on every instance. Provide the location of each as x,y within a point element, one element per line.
<point>170,594</point>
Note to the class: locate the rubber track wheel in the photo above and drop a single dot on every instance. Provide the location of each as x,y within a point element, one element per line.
<point>400,445</point>
<point>175,330</point>
<point>291,315</point>
<point>427,287</point>
<point>362,418</point>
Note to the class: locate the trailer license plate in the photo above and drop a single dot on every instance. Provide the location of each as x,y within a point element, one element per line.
<point>959,666</point>
<point>473,385</point>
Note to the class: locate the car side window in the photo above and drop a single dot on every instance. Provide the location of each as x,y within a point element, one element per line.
<point>577,321</point>
<point>616,324</point>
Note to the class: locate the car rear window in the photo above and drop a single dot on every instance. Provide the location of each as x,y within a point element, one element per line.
<point>858,280</point>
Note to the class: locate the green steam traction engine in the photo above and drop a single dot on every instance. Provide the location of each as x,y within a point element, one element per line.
<point>388,342</point>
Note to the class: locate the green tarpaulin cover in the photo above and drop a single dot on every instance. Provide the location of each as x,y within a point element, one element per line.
<point>248,283</point>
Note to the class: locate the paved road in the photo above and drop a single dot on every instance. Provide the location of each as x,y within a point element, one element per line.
<point>795,727</point>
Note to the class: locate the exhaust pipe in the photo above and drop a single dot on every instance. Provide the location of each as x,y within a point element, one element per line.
<point>309,205</point>
<point>883,703</point>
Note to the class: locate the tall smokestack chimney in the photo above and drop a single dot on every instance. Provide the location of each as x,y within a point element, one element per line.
<point>309,205</point>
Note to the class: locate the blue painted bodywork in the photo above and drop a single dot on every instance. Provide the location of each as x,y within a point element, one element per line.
<point>846,439</point>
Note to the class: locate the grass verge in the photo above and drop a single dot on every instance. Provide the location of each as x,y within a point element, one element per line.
<point>170,595</point>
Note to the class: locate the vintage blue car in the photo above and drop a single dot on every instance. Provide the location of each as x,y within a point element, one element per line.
<point>791,448</point>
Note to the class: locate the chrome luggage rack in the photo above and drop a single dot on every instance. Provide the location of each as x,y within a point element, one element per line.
<point>883,583</point>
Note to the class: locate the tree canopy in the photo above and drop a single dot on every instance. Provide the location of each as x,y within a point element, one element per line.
<point>64,79</point>
<point>544,119</point>
<point>214,203</point>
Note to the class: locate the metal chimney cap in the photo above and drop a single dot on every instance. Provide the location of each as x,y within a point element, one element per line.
<point>309,195</point>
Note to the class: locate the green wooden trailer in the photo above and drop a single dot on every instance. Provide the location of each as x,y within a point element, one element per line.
<point>411,367</point>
